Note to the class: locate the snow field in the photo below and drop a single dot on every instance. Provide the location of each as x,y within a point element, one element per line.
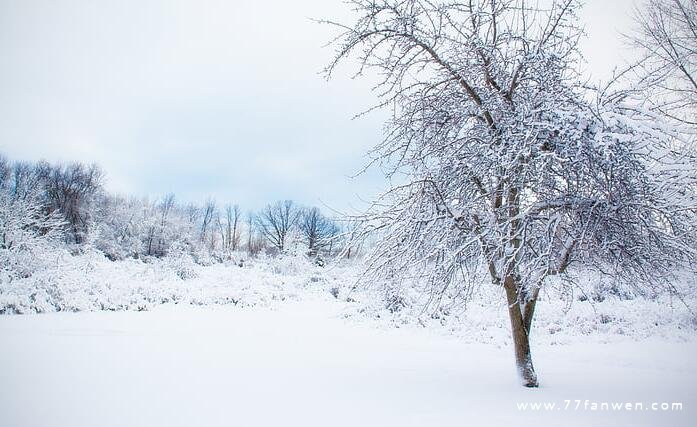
<point>301,364</point>
<point>283,342</point>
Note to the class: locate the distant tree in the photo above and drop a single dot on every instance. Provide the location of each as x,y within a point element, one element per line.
<point>27,179</point>
<point>29,233</point>
<point>232,224</point>
<point>72,191</point>
<point>120,231</point>
<point>5,173</point>
<point>193,213</point>
<point>167,208</point>
<point>208,219</point>
<point>158,225</point>
<point>316,229</point>
<point>275,223</point>
<point>250,232</point>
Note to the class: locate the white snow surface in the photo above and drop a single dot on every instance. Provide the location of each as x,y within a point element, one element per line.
<point>301,364</point>
<point>280,342</point>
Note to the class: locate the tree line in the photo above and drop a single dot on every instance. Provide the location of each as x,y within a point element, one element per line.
<point>68,205</point>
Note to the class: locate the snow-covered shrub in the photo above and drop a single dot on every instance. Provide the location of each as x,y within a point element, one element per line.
<point>181,262</point>
<point>119,233</point>
<point>394,299</point>
<point>29,237</point>
<point>288,264</point>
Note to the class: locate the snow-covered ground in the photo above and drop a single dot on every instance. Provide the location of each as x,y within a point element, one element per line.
<point>283,342</point>
<point>301,363</point>
<point>586,312</point>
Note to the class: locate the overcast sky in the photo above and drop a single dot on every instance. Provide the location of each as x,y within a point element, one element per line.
<point>204,98</point>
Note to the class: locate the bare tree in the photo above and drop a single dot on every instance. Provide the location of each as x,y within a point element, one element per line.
<point>5,172</point>
<point>511,166</point>
<point>28,180</point>
<point>256,242</point>
<point>27,229</point>
<point>207,220</point>
<point>72,190</point>
<point>232,222</point>
<point>156,240</point>
<point>666,35</point>
<point>193,213</point>
<point>317,230</point>
<point>275,223</point>
<point>166,209</point>
<point>151,232</point>
<point>250,232</point>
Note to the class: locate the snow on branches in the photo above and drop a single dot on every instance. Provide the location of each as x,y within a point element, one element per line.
<point>507,159</point>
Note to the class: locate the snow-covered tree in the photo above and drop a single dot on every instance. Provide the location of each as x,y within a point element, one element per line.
<point>277,221</point>
<point>120,232</point>
<point>231,235</point>
<point>209,212</point>
<point>316,230</point>
<point>73,190</point>
<point>507,163</point>
<point>666,37</point>
<point>28,232</point>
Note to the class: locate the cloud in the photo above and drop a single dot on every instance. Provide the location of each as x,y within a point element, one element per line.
<point>200,98</point>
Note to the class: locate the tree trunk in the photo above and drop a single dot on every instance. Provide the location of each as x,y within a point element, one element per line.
<point>521,342</point>
<point>529,309</point>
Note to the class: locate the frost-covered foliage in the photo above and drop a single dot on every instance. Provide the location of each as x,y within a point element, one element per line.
<point>594,308</point>
<point>73,192</point>
<point>30,235</point>
<point>290,228</point>
<point>318,232</point>
<point>91,282</point>
<point>138,228</point>
<point>128,227</point>
<point>66,244</point>
<point>665,35</point>
<point>509,163</point>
